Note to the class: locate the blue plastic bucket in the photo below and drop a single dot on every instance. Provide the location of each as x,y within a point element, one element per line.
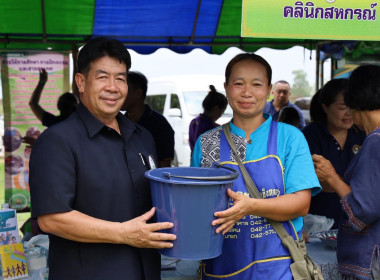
<point>188,197</point>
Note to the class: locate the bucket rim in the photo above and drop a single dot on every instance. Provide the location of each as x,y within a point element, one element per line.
<point>196,180</point>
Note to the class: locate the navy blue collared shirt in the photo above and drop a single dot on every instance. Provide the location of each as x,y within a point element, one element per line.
<point>321,142</point>
<point>269,108</point>
<point>81,164</point>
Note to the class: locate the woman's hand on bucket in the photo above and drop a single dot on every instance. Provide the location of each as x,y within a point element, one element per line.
<point>138,233</point>
<point>227,218</point>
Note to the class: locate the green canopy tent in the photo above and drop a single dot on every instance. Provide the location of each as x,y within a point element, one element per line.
<point>143,26</point>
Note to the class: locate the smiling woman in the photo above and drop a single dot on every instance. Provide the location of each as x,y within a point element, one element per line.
<point>254,134</point>
<point>333,136</point>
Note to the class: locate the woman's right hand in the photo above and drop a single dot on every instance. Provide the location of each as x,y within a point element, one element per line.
<point>43,76</point>
<point>325,170</point>
<point>226,219</point>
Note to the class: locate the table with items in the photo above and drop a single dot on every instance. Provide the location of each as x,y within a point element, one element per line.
<point>322,252</point>
<point>174,269</point>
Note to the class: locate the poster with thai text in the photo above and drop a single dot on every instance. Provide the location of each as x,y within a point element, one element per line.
<point>20,73</point>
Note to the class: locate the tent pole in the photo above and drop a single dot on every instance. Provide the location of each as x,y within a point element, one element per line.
<point>322,72</point>
<point>74,52</point>
<point>332,67</point>
<point>317,57</point>
<point>195,22</point>
<point>43,21</point>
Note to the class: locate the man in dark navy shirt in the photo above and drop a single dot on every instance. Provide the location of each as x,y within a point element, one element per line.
<point>281,93</point>
<point>153,121</point>
<point>87,181</point>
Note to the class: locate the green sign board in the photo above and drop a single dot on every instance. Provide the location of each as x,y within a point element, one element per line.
<point>318,19</point>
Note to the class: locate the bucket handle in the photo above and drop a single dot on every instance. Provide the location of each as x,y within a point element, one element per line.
<point>232,176</point>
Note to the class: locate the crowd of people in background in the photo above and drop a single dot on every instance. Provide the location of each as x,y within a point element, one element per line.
<point>325,168</point>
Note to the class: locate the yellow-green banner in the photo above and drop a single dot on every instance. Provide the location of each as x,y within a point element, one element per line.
<point>20,76</point>
<point>318,19</point>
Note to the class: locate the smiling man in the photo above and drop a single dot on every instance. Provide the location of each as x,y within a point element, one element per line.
<point>87,181</point>
<point>281,93</point>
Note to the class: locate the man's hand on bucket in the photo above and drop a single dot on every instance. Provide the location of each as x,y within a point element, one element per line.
<point>138,233</point>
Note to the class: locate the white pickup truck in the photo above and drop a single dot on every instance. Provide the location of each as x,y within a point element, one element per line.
<point>179,99</point>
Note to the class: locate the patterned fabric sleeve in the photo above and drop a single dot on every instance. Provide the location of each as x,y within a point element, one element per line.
<point>362,205</point>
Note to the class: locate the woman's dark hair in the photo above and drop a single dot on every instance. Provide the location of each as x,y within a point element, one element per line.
<point>326,95</point>
<point>213,99</point>
<point>363,91</point>
<point>289,115</point>
<point>98,48</point>
<point>248,56</point>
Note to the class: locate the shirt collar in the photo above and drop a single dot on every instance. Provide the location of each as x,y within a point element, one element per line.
<point>287,104</point>
<point>264,126</point>
<point>324,127</point>
<point>94,126</point>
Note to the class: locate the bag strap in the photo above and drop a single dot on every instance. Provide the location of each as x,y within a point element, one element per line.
<point>286,239</point>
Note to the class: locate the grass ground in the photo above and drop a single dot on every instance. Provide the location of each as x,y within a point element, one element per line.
<point>21,217</point>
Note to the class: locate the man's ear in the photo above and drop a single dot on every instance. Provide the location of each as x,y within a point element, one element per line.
<point>80,79</point>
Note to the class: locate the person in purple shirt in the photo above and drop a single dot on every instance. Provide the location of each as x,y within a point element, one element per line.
<point>281,93</point>
<point>359,231</point>
<point>214,105</point>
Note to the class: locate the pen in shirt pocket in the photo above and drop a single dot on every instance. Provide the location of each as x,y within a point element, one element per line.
<point>142,159</point>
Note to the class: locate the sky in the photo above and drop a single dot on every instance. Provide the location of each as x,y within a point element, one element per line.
<point>167,63</point>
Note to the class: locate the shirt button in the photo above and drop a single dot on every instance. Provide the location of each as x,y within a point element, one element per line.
<point>338,148</point>
<point>131,171</point>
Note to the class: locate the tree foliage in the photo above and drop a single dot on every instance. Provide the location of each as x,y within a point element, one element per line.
<point>300,85</point>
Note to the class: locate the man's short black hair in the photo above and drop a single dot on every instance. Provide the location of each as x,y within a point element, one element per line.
<point>137,80</point>
<point>98,48</point>
<point>281,82</point>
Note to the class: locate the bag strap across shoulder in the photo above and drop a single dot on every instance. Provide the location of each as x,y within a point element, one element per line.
<point>286,239</point>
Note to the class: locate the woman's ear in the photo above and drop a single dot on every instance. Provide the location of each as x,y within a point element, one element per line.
<point>270,90</point>
<point>325,108</point>
<point>225,89</point>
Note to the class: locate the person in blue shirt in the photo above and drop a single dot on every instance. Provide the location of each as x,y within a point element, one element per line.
<point>277,157</point>
<point>333,135</point>
<point>281,93</point>
<point>359,191</point>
